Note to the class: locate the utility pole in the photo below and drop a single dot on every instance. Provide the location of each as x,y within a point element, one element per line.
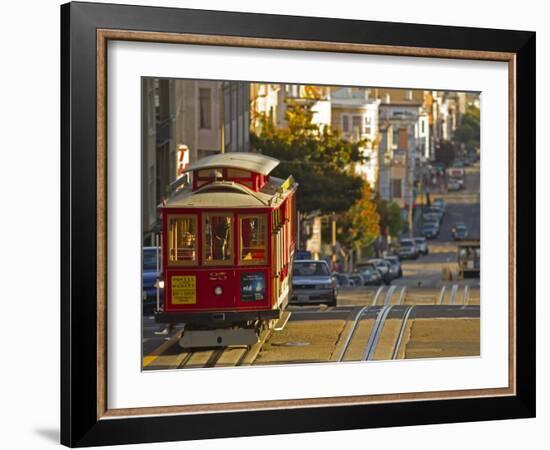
<point>410,186</point>
<point>333,218</point>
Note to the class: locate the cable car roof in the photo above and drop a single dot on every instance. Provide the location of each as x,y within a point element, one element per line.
<point>255,162</point>
<point>232,195</point>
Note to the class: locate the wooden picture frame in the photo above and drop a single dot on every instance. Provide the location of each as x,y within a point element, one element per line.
<point>85,415</point>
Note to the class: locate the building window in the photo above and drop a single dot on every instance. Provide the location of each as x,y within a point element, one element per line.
<point>403,142</point>
<point>182,240</point>
<point>345,123</point>
<point>356,120</point>
<point>205,108</point>
<point>369,125</point>
<point>396,188</point>
<point>218,238</point>
<point>253,240</point>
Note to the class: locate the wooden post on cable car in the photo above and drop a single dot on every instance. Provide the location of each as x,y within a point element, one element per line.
<point>222,117</point>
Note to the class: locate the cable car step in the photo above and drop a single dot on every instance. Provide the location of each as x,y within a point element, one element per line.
<point>218,338</point>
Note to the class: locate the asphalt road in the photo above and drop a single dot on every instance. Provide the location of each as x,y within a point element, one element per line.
<point>462,206</point>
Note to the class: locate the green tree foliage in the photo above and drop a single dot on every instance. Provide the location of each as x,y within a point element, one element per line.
<point>359,226</point>
<point>391,220</point>
<point>468,131</point>
<point>318,159</point>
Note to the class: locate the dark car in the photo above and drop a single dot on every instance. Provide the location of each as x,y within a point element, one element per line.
<point>438,210</point>
<point>302,254</point>
<point>395,265</point>
<point>150,279</point>
<point>440,203</point>
<point>434,213</point>
<point>384,267</point>
<point>371,275</point>
<point>312,282</point>
<point>357,278</point>
<point>432,216</point>
<point>430,230</point>
<point>343,279</point>
<point>459,232</point>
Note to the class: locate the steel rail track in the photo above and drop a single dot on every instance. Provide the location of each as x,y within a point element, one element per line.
<point>378,293</point>
<point>185,360</point>
<point>389,295</point>
<point>402,295</point>
<point>356,320</point>
<point>406,315</point>
<point>375,333</point>
<point>466,296</point>
<point>378,326</point>
<point>442,295</point>
<point>454,291</point>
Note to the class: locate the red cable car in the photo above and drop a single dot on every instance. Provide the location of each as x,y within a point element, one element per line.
<point>228,240</point>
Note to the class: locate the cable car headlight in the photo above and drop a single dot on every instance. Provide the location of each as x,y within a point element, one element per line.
<point>160,284</point>
<point>218,290</point>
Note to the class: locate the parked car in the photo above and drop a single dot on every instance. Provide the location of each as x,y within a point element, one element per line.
<point>454,184</point>
<point>421,245</point>
<point>432,216</point>
<point>395,265</point>
<point>150,279</point>
<point>312,283</point>
<point>440,203</point>
<point>343,279</point>
<point>430,230</point>
<point>459,232</point>
<point>439,211</point>
<point>302,254</point>
<point>384,267</point>
<point>372,276</point>
<point>357,278</point>
<point>407,249</point>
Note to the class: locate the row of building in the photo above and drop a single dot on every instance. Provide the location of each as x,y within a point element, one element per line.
<point>185,120</point>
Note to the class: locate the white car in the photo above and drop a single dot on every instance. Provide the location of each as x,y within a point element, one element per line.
<point>454,185</point>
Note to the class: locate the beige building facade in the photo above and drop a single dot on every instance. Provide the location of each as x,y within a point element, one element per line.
<point>183,121</point>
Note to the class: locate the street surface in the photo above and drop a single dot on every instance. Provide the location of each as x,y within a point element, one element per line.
<point>462,206</point>
<point>421,315</point>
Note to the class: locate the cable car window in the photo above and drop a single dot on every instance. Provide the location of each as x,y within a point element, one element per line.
<point>218,238</point>
<point>238,173</point>
<point>253,239</point>
<point>209,173</point>
<point>182,240</point>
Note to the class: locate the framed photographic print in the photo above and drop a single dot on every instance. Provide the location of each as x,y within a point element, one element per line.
<point>277,224</point>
